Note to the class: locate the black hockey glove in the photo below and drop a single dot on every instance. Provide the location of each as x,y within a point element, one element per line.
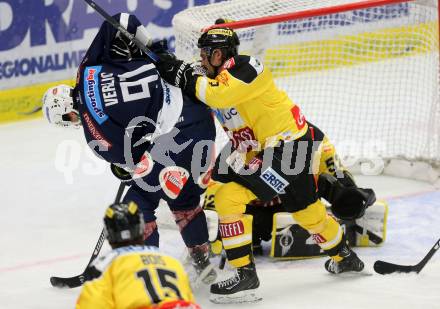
<point>124,48</point>
<point>120,173</point>
<point>179,73</point>
<point>348,202</point>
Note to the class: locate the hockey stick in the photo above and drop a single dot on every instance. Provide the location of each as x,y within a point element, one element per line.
<point>76,281</point>
<point>31,112</point>
<point>385,268</point>
<point>221,264</point>
<point>123,31</point>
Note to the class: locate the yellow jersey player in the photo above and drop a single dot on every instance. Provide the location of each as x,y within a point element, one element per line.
<point>263,122</point>
<point>133,275</point>
<point>336,186</point>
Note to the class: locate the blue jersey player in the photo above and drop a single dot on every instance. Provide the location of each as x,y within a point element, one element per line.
<point>155,136</point>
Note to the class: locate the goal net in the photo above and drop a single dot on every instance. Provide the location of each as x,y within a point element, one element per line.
<point>366,73</point>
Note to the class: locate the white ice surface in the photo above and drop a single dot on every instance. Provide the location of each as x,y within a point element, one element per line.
<point>49,227</point>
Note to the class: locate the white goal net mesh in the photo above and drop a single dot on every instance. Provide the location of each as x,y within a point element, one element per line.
<point>368,77</point>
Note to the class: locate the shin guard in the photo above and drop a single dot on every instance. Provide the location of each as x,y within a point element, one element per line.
<point>237,239</point>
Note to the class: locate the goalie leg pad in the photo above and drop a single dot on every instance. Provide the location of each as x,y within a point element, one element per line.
<point>290,240</point>
<point>371,228</point>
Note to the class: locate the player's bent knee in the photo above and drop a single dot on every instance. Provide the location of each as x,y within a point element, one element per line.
<point>325,230</point>
<point>231,199</point>
<point>312,218</point>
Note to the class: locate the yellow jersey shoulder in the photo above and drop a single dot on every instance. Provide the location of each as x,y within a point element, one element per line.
<point>136,277</point>
<point>244,68</point>
<point>103,262</point>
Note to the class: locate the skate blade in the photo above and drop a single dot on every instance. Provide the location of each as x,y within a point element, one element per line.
<point>353,273</point>
<point>207,276</point>
<point>248,296</point>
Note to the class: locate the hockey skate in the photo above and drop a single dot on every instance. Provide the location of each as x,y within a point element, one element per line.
<point>241,288</point>
<point>349,262</point>
<point>203,267</point>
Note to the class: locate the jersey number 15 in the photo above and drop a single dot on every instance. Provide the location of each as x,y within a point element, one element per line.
<point>167,280</point>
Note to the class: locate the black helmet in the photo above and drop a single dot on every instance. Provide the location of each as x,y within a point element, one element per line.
<point>223,38</point>
<point>123,223</point>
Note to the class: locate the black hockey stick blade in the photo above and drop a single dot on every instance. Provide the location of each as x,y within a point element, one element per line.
<point>31,112</point>
<point>385,268</point>
<point>76,281</point>
<point>68,283</point>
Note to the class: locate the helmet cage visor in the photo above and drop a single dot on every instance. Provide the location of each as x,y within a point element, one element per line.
<point>58,107</point>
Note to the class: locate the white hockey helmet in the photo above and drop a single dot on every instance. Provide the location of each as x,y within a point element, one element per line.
<point>58,106</point>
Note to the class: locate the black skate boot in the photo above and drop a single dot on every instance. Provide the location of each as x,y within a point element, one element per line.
<point>200,261</point>
<point>349,262</point>
<point>240,288</point>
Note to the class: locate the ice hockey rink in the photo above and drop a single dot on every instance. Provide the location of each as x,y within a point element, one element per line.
<point>54,194</point>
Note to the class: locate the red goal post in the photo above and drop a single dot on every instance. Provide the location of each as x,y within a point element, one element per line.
<point>253,22</point>
<point>365,72</point>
